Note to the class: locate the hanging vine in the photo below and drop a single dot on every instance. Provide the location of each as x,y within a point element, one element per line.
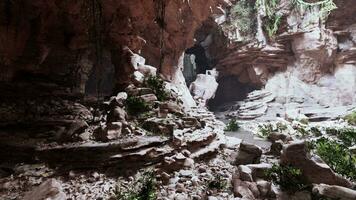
<point>273,18</point>
<point>160,19</point>
<point>325,6</point>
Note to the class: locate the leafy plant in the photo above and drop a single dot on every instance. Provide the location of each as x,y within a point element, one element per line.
<point>273,18</point>
<point>157,85</point>
<point>337,156</point>
<point>218,183</point>
<point>143,189</point>
<point>287,177</point>
<point>266,129</point>
<point>136,105</point>
<point>346,135</point>
<point>232,126</point>
<point>351,118</point>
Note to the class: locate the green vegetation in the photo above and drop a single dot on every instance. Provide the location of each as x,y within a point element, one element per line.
<point>325,6</point>
<point>232,126</point>
<point>143,189</point>
<point>157,85</point>
<point>287,177</point>
<point>273,18</point>
<point>337,156</point>
<point>316,132</point>
<point>242,17</point>
<point>266,129</point>
<point>351,118</point>
<point>218,183</point>
<point>345,135</point>
<point>136,105</point>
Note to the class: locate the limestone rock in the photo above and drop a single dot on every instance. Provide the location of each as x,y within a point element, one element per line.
<point>204,87</point>
<point>110,131</point>
<point>248,154</point>
<point>296,155</point>
<point>49,190</point>
<point>334,192</point>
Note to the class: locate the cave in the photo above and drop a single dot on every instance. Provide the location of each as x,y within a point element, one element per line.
<point>201,99</point>
<point>230,90</point>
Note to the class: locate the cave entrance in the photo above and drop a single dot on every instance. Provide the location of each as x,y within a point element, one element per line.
<point>230,90</point>
<point>196,62</point>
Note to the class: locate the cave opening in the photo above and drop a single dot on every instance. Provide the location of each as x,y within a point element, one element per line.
<point>210,48</point>
<point>230,90</point>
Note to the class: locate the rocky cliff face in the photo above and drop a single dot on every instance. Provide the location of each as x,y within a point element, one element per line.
<point>79,44</point>
<point>304,48</point>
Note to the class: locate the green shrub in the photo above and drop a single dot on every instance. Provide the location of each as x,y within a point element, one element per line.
<point>218,183</point>
<point>266,129</point>
<point>287,177</point>
<point>337,156</point>
<point>273,19</point>
<point>316,132</point>
<point>346,135</point>
<point>351,118</point>
<point>232,126</point>
<point>157,85</point>
<point>136,105</point>
<point>143,189</point>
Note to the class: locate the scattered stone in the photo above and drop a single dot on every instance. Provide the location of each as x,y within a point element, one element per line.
<point>248,154</point>
<point>334,192</point>
<point>49,190</point>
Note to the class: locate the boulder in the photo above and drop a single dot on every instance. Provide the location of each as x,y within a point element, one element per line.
<point>296,154</point>
<point>117,114</point>
<point>204,87</point>
<point>248,154</point>
<point>191,122</point>
<point>245,173</point>
<point>110,131</point>
<point>241,189</point>
<point>159,126</point>
<point>49,190</point>
<point>334,192</point>
<point>147,70</point>
<point>149,98</point>
<point>171,107</point>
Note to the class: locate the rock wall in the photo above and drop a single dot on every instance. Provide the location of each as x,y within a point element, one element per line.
<point>311,54</point>
<point>70,43</point>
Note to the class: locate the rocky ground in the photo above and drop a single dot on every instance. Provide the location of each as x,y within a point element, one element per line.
<point>192,157</point>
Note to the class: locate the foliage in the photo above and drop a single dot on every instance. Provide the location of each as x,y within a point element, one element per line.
<point>351,118</point>
<point>325,6</point>
<point>146,190</point>
<point>346,135</point>
<point>337,156</point>
<point>232,126</point>
<point>136,105</point>
<point>157,85</point>
<point>218,183</point>
<point>287,177</point>
<point>273,18</point>
<point>266,129</point>
<point>242,17</point>
<point>316,132</point>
